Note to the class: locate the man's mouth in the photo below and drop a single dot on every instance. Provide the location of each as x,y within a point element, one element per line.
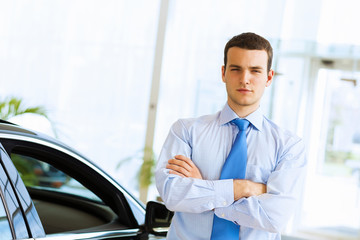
<point>243,90</point>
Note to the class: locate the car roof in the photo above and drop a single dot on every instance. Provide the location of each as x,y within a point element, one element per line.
<point>14,129</point>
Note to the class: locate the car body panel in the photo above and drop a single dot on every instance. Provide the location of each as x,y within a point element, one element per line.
<point>19,134</point>
<point>126,215</point>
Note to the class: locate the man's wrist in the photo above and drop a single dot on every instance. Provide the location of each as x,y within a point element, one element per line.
<point>247,188</point>
<point>241,189</point>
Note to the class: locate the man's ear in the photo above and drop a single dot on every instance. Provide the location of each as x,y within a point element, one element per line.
<point>269,78</point>
<point>223,73</point>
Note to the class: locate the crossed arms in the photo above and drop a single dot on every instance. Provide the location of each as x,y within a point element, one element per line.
<point>184,167</point>
<point>250,204</point>
<point>263,201</point>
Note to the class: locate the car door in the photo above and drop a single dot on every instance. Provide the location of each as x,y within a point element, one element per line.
<point>72,195</point>
<point>18,216</point>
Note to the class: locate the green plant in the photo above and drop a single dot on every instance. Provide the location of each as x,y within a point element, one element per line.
<point>25,169</point>
<point>13,106</point>
<point>147,169</point>
<point>337,156</point>
<point>145,174</point>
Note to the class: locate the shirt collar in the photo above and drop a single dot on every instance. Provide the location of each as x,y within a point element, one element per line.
<point>227,114</point>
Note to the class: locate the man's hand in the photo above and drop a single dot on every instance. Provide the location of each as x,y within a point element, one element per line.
<point>183,166</point>
<point>247,188</point>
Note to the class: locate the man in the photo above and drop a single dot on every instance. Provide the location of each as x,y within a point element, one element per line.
<point>189,171</point>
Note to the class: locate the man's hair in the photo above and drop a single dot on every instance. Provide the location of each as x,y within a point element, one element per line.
<point>250,41</point>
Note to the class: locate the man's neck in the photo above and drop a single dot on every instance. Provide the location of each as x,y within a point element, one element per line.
<point>243,111</point>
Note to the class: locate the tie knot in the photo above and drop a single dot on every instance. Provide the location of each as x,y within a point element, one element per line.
<point>242,124</point>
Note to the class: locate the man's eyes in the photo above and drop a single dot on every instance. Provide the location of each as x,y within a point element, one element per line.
<point>238,69</point>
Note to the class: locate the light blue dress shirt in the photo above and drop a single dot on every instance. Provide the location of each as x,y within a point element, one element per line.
<point>276,158</point>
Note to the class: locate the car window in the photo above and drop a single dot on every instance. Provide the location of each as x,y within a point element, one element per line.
<point>24,198</point>
<point>4,223</point>
<point>38,174</point>
<point>73,199</point>
<point>11,203</point>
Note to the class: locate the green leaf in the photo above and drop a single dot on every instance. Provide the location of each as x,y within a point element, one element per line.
<point>13,106</point>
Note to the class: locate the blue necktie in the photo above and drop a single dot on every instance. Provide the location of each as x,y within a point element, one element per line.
<point>234,168</point>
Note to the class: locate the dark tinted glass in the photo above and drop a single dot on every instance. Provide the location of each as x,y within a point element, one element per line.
<point>39,174</point>
<point>25,200</point>
<point>4,223</point>
<point>12,204</point>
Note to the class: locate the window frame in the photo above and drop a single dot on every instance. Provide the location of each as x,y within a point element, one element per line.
<point>60,159</point>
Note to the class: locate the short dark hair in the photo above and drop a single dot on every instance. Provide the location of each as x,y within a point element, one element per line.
<point>250,41</point>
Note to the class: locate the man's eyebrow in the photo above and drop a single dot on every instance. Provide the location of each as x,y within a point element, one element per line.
<point>256,67</point>
<point>251,67</point>
<point>234,66</point>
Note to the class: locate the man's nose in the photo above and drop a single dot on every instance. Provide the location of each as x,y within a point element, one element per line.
<point>244,77</point>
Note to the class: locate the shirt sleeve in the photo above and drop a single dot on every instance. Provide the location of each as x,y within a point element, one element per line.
<point>188,194</point>
<point>271,211</point>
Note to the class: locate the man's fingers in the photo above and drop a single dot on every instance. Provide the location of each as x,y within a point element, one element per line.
<point>178,169</point>
<point>180,163</point>
<point>176,173</point>
<point>185,159</point>
<point>184,166</point>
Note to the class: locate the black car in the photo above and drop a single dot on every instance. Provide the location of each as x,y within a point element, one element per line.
<point>50,191</point>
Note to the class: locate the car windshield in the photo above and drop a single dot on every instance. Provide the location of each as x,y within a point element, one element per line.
<point>41,175</point>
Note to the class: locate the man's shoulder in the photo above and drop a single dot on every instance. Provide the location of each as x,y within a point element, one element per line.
<point>288,145</point>
<point>203,120</point>
<point>279,132</point>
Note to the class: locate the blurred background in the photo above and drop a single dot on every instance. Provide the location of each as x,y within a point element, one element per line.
<point>92,65</point>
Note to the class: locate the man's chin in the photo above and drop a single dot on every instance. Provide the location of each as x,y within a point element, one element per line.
<point>243,104</point>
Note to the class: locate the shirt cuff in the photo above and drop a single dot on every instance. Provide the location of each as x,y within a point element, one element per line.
<point>224,193</point>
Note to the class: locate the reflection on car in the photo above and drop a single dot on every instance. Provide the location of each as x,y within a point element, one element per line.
<point>37,173</point>
<point>50,191</point>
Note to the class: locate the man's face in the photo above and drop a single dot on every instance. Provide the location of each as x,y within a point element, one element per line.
<point>246,77</point>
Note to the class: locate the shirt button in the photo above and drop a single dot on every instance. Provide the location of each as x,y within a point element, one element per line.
<point>224,203</point>
<point>223,215</point>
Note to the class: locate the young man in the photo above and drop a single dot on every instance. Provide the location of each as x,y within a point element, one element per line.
<point>189,174</point>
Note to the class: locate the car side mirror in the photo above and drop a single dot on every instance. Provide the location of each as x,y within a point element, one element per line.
<point>157,218</point>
